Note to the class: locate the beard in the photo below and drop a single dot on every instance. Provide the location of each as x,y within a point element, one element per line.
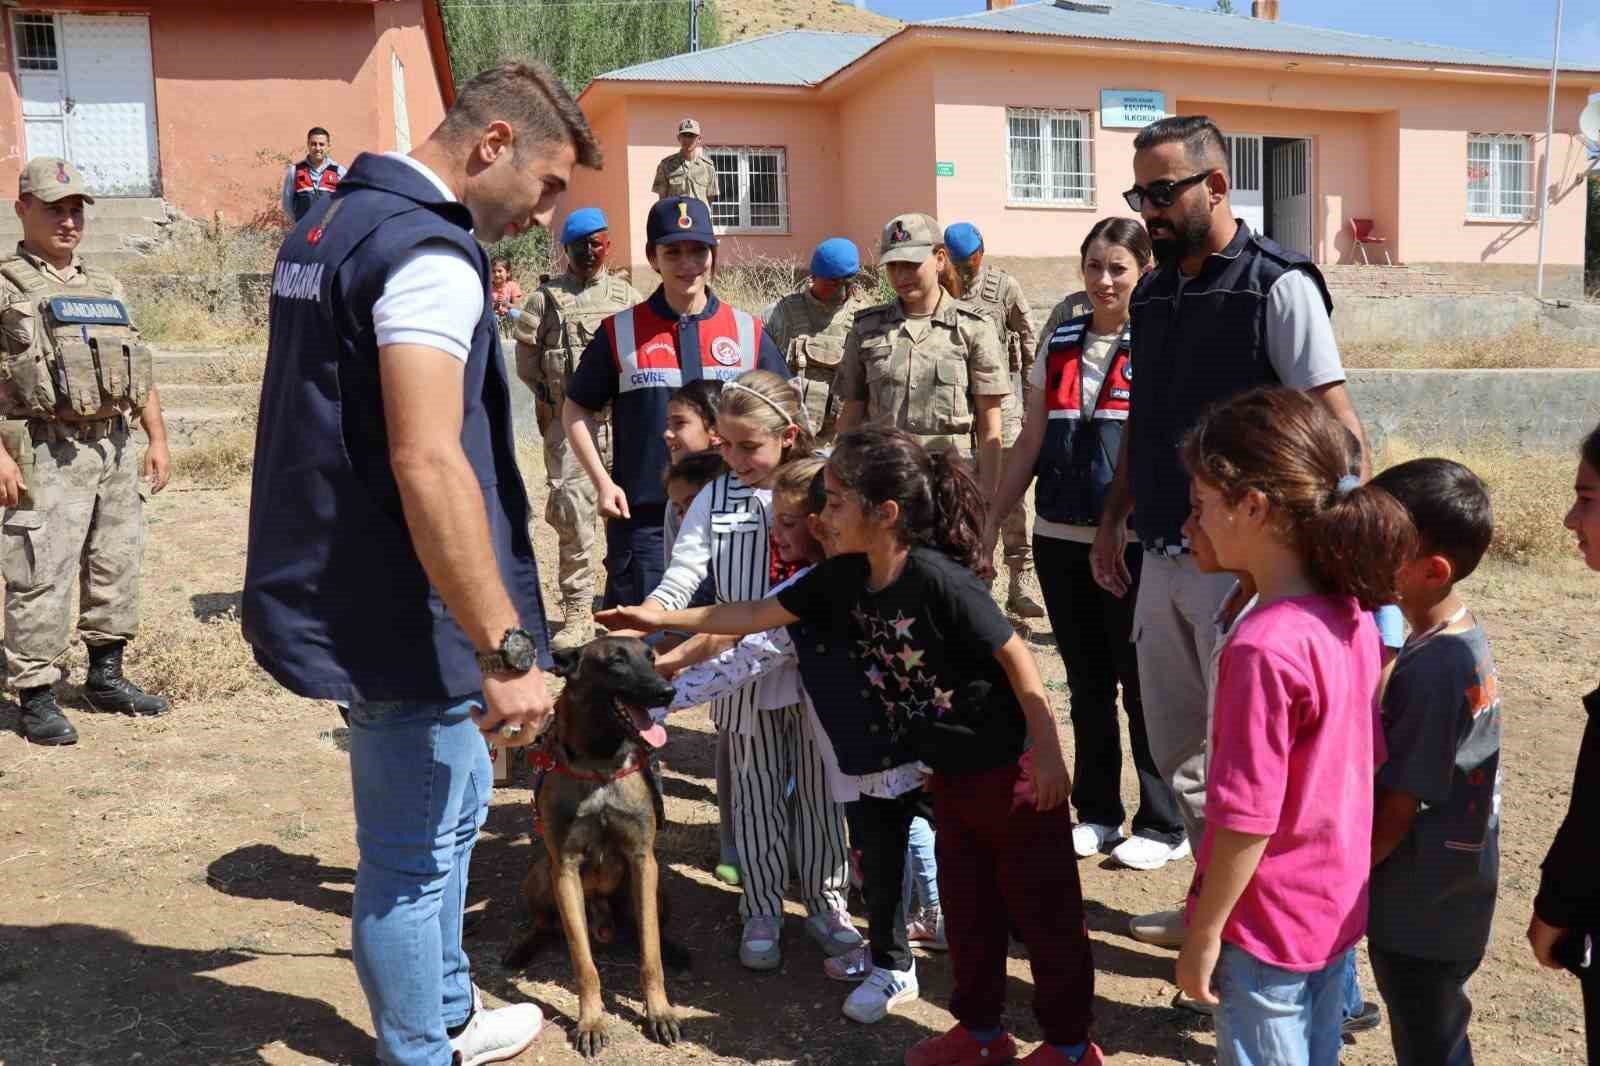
<point>1189,235</point>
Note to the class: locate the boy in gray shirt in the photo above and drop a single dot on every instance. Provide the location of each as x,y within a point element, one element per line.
<point>1436,822</point>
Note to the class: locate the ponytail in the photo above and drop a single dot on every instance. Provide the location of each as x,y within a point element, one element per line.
<point>1351,538</point>
<point>957,528</point>
<point>940,505</point>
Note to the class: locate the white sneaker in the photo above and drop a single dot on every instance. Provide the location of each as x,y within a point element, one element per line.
<point>880,993</point>
<point>1142,853</point>
<point>834,933</point>
<point>1089,839</point>
<point>496,1035</point>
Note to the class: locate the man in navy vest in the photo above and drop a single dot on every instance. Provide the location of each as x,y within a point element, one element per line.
<point>389,563</point>
<point>1226,311</point>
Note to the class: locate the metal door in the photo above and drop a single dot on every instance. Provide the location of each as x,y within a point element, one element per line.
<point>110,104</point>
<point>88,94</point>
<point>1291,195</point>
<point>1244,152</point>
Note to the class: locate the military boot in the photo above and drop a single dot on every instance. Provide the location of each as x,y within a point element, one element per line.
<point>42,720</point>
<point>578,624</point>
<point>1019,601</point>
<point>107,690</point>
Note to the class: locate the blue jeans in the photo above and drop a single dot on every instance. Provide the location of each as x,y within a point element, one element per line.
<point>1428,1007</point>
<point>1353,999</point>
<point>421,779</point>
<point>1273,1017</point>
<point>922,869</point>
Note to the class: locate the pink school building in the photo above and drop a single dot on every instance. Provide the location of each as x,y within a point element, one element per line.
<point>1021,120</point>
<point>204,101</point>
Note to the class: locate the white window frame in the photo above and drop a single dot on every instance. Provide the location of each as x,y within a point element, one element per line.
<point>1047,151</point>
<point>744,153</point>
<point>402,114</point>
<point>1505,205</point>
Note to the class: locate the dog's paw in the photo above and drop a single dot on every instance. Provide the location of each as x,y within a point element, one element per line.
<point>590,1038</point>
<point>664,1027</point>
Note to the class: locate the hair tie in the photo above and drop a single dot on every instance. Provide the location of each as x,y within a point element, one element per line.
<point>1346,485</point>
<point>734,386</point>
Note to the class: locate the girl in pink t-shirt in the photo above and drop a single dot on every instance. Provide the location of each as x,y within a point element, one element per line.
<point>1280,889</point>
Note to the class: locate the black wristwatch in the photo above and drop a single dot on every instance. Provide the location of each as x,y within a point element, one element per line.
<point>518,653</point>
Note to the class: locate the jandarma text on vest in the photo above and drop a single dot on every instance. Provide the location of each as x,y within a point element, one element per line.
<point>297,281</point>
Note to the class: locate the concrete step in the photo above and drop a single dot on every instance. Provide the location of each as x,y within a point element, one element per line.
<point>189,426</point>
<point>211,369</point>
<point>196,396</point>
<point>108,207</point>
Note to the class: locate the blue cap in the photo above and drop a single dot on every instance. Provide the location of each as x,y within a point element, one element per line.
<point>835,258</point>
<point>962,239</point>
<point>581,223</point>
<point>679,218</point>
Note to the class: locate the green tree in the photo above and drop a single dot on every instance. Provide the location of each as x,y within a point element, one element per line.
<point>1225,7</point>
<point>577,39</point>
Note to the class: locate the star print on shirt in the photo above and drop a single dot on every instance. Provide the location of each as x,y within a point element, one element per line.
<point>896,669</point>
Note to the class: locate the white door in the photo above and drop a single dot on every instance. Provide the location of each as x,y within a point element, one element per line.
<point>1291,196</point>
<point>1244,153</point>
<point>89,95</point>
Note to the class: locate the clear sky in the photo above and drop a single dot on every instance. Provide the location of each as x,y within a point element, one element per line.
<point>1515,27</point>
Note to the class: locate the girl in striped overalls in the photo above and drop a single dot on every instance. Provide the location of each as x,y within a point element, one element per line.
<point>726,533</point>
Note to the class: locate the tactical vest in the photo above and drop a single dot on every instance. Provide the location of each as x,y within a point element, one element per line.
<point>337,604</point>
<point>814,353</point>
<point>86,360</point>
<point>1199,344</point>
<point>582,314</point>
<point>988,298</point>
<point>645,347</point>
<point>310,189</point>
<point>1079,454</point>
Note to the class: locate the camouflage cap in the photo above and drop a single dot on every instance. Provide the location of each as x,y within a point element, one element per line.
<point>50,179</point>
<point>688,125</point>
<point>909,239</point>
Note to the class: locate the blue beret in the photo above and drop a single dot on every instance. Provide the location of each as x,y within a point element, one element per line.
<point>962,239</point>
<point>835,258</point>
<point>581,223</point>
<point>679,218</point>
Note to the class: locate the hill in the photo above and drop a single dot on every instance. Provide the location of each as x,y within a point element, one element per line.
<point>751,18</point>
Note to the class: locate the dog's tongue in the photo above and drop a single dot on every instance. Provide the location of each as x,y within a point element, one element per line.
<point>651,732</point>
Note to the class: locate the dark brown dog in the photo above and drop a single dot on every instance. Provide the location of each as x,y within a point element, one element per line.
<point>600,810</point>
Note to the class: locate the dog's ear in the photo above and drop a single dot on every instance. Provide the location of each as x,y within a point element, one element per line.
<point>566,661</point>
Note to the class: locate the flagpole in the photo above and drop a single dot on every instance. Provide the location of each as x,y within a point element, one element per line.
<point>1549,147</point>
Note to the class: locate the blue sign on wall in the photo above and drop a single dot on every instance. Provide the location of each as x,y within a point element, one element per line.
<point>1131,108</point>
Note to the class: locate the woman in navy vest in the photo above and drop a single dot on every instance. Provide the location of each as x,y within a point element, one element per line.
<point>1081,386</point>
<point>682,333</point>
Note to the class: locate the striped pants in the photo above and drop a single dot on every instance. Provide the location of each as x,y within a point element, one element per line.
<point>780,746</point>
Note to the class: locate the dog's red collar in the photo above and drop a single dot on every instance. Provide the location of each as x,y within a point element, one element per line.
<point>542,757</point>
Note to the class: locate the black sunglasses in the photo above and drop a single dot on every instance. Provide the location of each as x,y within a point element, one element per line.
<point>1162,193</point>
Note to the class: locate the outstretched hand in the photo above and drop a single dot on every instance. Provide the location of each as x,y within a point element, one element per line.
<point>642,619</point>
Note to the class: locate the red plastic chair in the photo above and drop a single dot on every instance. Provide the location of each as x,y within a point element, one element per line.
<point>1361,234</point>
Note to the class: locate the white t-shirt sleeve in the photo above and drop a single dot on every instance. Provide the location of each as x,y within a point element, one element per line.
<point>691,556</point>
<point>1300,340</point>
<point>434,297</point>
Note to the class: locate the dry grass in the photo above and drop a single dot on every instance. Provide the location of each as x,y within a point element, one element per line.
<point>1530,493</point>
<point>756,284</point>
<point>175,317</point>
<point>220,460</point>
<point>196,660</point>
<point>1521,349</point>
<point>191,246</point>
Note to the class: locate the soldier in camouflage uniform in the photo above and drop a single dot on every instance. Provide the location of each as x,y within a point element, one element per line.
<point>1000,296</point>
<point>72,373</point>
<point>809,328</point>
<point>926,362</point>
<point>686,172</point>
<point>554,328</point>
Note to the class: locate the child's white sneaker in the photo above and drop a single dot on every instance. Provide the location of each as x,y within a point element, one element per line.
<point>881,992</point>
<point>1090,839</point>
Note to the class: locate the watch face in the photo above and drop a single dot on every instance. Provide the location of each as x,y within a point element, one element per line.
<point>519,650</point>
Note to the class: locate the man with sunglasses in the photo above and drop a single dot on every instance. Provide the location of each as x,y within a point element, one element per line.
<point>556,325</point>
<point>1227,310</point>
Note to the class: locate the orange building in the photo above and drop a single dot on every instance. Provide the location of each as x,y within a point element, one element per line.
<point>1021,119</point>
<point>203,102</point>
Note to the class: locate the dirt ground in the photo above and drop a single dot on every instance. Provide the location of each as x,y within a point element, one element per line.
<point>178,890</point>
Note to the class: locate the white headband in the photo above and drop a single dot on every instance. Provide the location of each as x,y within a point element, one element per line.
<point>734,386</point>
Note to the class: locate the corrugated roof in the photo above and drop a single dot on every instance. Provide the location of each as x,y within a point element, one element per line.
<point>795,57</point>
<point>1145,21</point>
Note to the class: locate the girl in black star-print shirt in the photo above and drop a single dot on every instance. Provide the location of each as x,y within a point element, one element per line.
<point>942,666</point>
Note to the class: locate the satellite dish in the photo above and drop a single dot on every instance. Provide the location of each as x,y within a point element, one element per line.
<point>1589,123</point>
